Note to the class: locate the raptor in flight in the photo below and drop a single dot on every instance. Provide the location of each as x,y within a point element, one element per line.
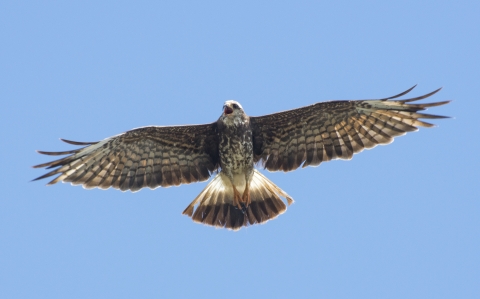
<point>238,195</point>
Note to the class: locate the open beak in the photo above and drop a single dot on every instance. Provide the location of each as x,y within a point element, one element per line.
<point>227,110</point>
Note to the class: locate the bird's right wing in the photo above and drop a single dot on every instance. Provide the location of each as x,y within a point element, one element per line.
<point>143,157</point>
<point>333,130</point>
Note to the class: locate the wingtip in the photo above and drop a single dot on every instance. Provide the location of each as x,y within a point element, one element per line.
<point>38,166</point>
<point>76,142</point>
<point>57,153</point>
<point>400,94</point>
<point>435,104</point>
<point>435,91</point>
<point>36,179</point>
<point>422,97</point>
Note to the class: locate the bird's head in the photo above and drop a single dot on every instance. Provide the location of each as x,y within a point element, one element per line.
<point>232,108</point>
<point>233,114</point>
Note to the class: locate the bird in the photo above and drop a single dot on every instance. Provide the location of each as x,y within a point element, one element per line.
<point>232,148</point>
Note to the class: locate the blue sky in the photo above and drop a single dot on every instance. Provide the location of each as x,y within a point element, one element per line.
<point>398,221</point>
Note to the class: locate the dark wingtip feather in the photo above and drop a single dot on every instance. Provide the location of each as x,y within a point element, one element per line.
<point>421,97</point>
<point>434,104</point>
<point>57,153</point>
<point>77,142</point>
<point>39,178</point>
<point>45,176</point>
<point>430,116</point>
<point>400,94</point>
<point>43,165</point>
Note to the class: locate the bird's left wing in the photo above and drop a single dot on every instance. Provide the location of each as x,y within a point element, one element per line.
<point>143,157</point>
<point>333,130</point>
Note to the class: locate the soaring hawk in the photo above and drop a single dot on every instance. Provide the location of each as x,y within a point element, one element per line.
<point>238,195</point>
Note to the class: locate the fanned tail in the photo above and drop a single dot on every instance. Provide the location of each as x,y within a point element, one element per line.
<point>215,203</point>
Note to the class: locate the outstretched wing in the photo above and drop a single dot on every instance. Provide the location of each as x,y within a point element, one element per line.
<point>333,130</point>
<point>143,157</point>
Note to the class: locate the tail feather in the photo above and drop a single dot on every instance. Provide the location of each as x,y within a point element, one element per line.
<point>215,203</point>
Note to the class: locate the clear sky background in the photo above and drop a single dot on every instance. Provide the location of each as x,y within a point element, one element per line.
<point>398,221</point>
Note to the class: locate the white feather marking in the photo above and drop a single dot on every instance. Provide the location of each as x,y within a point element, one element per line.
<point>220,190</point>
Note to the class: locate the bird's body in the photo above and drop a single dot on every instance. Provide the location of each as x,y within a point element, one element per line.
<point>238,195</point>
<point>236,148</point>
<point>235,142</point>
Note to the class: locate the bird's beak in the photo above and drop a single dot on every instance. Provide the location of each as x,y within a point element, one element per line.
<point>227,110</point>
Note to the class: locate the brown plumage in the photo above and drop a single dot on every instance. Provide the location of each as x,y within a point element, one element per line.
<point>143,157</point>
<point>239,195</point>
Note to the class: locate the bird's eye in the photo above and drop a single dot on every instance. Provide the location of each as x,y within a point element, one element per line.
<point>235,106</point>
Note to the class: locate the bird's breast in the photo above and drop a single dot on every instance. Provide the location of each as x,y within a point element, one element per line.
<point>236,148</point>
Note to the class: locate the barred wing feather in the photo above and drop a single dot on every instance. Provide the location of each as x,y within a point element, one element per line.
<point>143,157</point>
<point>324,131</point>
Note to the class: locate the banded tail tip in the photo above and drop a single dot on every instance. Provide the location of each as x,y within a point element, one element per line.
<point>214,205</point>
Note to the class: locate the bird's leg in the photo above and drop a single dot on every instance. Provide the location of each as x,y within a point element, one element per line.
<point>246,195</point>
<point>236,198</point>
